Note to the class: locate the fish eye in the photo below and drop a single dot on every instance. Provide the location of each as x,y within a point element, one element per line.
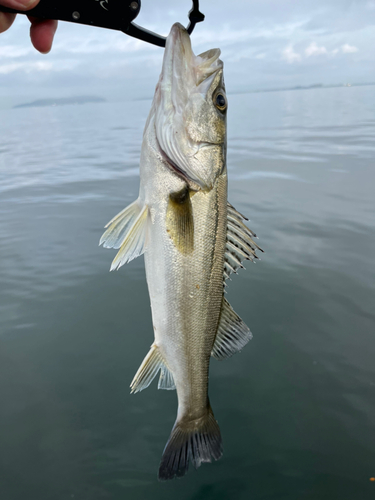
<point>220,101</point>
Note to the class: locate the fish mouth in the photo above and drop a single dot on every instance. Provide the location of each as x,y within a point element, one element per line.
<point>183,75</point>
<point>178,56</point>
<point>182,68</point>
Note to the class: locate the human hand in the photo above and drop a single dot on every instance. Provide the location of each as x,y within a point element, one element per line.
<point>41,31</point>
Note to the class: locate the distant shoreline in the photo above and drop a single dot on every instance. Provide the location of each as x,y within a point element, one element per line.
<point>284,89</point>
<point>303,87</point>
<point>95,99</point>
<point>63,101</point>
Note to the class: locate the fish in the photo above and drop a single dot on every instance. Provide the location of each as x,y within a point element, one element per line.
<point>192,239</point>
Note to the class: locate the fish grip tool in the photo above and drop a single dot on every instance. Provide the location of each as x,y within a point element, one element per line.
<point>111,14</point>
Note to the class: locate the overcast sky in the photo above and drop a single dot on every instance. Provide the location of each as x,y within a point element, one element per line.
<point>264,43</point>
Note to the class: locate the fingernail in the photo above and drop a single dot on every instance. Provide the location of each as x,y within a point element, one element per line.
<point>25,4</point>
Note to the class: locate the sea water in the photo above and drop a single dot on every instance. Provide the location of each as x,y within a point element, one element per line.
<point>296,407</point>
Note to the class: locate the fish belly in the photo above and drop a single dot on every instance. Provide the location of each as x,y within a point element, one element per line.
<point>186,289</point>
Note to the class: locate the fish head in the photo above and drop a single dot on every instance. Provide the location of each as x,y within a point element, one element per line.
<point>190,111</point>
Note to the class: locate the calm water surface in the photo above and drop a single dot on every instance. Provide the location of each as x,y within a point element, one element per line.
<point>296,407</point>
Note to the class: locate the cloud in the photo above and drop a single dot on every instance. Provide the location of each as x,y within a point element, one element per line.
<point>13,51</point>
<point>314,50</point>
<point>289,55</point>
<point>27,67</point>
<point>349,49</point>
<point>261,44</point>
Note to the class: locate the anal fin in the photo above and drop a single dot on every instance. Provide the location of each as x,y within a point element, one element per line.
<point>148,370</point>
<point>232,333</point>
<point>166,380</point>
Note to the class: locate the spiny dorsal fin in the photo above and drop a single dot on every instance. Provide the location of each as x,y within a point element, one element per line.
<point>240,244</point>
<point>127,231</point>
<point>148,370</point>
<point>232,333</point>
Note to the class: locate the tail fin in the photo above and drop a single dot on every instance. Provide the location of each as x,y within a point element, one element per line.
<point>198,441</point>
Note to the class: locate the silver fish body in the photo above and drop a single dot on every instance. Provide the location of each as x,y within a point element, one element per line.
<point>192,240</point>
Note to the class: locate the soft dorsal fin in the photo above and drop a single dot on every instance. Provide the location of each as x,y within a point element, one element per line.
<point>127,231</point>
<point>148,370</point>
<point>232,333</point>
<point>240,244</point>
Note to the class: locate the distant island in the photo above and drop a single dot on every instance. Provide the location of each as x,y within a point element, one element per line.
<point>62,101</point>
<point>303,87</point>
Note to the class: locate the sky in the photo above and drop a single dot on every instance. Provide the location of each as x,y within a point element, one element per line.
<point>265,44</point>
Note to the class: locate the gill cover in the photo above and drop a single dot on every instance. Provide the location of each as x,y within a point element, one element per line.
<point>190,127</point>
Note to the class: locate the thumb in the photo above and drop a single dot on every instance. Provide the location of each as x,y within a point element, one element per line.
<point>19,4</point>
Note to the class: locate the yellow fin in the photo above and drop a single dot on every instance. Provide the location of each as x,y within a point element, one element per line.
<point>180,222</point>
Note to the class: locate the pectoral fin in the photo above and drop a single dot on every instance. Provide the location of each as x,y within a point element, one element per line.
<point>180,222</point>
<point>148,370</point>
<point>127,231</point>
<point>232,333</point>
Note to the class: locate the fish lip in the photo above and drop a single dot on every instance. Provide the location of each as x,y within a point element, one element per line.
<point>178,42</point>
<point>207,144</point>
<point>177,31</point>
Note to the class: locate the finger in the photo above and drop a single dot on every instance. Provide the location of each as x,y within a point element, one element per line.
<point>6,21</point>
<point>42,33</point>
<point>20,4</point>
